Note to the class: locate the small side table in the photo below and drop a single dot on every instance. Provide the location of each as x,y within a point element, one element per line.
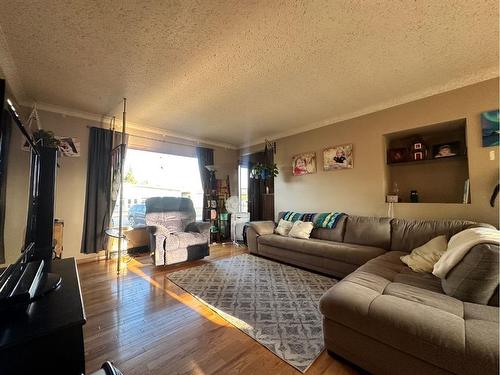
<point>115,233</point>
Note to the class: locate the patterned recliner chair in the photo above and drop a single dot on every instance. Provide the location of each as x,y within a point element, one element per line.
<point>175,235</point>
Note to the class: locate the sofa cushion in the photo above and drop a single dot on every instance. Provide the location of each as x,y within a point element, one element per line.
<point>475,278</point>
<point>283,227</point>
<point>408,312</point>
<point>423,258</point>
<point>301,229</point>
<point>370,231</point>
<point>334,234</point>
<point>182,240</point>
<point>349,253</point>
<point>390,267</point>
<point>408,234</point>
<point>403,324</point>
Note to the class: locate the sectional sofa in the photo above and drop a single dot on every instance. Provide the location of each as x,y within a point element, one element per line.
<point>384,317</point>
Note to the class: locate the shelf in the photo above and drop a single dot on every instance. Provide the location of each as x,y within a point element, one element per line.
<point>436,180</point>
<point>430,161</point>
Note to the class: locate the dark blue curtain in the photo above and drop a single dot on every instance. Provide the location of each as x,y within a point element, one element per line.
<point>98,195</point>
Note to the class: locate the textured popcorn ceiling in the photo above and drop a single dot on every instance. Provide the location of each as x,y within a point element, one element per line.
<point>238,71</point>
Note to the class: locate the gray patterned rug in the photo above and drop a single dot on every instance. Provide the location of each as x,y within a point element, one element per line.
<point>273,303</point>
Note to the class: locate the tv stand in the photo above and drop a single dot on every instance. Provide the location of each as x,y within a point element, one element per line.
<point>49,282</point>
<point>48,337</point>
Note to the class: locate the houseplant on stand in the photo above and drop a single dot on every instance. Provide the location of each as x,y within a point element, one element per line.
<point>265,172</point>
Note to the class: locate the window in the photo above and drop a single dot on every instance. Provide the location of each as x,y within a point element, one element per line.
<point>243,186</point>
<point>151,174</point>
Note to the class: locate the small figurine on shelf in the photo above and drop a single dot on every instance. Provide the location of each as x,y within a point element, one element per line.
<point>414,196</point>
<point>418,149</point>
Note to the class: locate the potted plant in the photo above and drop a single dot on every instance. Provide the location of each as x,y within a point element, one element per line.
<point>46,138</point>
<point>264,172</point>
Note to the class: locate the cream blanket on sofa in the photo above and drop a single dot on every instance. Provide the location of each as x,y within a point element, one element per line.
<point>460,244</point>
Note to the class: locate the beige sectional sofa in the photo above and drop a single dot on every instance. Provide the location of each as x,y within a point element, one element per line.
<point>382,316</point>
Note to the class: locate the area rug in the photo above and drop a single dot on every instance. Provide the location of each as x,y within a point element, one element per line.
<point>275,304</point>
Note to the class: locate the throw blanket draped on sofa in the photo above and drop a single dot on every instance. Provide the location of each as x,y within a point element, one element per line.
<point>460,244</point>
<point>321,220</point>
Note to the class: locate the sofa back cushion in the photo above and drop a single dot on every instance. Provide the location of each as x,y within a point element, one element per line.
<point>475,279</point>
<point>335,234</point>
<point>370,231</point>
<point>407,234</point>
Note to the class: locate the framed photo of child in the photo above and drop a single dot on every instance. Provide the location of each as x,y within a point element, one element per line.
<point>445,150</point>
<point>338,157</point>
<point>304,163</point>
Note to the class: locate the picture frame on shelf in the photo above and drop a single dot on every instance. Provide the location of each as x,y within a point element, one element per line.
<point>446,150</point>
<point>397,155</point>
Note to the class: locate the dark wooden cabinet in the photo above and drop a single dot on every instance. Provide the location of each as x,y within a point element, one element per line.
<point>48,337</point>
<point>268,207</point>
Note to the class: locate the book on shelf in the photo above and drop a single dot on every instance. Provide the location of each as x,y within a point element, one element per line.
<point>466,191</point>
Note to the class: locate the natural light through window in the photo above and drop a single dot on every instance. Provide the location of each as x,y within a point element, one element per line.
<point>243,183</point>
<point>151,174</point>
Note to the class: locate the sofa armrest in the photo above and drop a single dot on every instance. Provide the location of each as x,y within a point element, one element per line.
<point>256,229</point>
<point>262,227</point>
<point>202,227</point>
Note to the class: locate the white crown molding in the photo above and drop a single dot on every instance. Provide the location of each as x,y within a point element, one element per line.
<point>452,85</point>
<point>104,120</point>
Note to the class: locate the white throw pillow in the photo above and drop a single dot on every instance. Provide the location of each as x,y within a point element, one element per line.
<point>301,229</point>
<point>423,258</point>
<point>283,227</point>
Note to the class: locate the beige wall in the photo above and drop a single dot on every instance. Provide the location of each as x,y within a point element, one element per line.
<point>71,180</point>
<point>361,191</point>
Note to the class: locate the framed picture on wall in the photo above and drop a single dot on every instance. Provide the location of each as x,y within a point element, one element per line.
<point>304,163</point>
<point>490,127</point>
<point>338,157</point>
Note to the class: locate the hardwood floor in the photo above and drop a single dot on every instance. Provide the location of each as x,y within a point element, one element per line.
<point>146,324</point>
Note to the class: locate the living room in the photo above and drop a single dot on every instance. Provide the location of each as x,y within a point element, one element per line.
<point>249,187</point>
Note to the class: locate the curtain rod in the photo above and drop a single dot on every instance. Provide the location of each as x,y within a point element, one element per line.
<point>193,144</point>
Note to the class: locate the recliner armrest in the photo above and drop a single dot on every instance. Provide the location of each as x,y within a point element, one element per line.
<point>262,227</point>
<point>198,227</point>
<point>202,227</point>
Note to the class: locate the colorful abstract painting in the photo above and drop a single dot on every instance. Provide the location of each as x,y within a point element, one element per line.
<point>490,128</point>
